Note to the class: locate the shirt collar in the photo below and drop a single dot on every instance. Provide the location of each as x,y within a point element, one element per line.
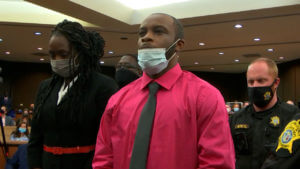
<point>166,80</point>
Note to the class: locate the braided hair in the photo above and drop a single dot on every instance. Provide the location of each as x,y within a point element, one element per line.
<point>88,45</point>
<point>88,48</point>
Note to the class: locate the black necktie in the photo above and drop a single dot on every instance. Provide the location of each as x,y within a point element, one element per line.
<point>142,137</point>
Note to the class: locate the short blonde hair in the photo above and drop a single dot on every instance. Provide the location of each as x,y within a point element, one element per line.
<point>273,69</point>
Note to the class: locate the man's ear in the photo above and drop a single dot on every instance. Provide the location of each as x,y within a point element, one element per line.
<point>277,82</point>
<point>180,45</point>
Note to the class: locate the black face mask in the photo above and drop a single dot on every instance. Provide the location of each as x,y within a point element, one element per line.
<point>261,96</point>
<point>124,77</point>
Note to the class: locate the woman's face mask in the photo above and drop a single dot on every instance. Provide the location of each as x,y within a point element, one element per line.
<point>153,60</point>
<point>63,67</point>
<point>22,130</point>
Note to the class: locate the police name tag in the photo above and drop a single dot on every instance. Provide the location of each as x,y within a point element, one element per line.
<point>289,135</point>
<point>241,126</point>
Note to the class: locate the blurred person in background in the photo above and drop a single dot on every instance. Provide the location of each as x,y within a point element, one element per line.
<point>236,107</point>
<point>229,110</point>
<point>290,102</point>
<point>127,70</point>
<point>6,101</point>
<point>246,103</point>
<point>6,120</point>
<point>31,107</point>
<point>19,159</point>
<point>25,117</point>
<point>21,133</point>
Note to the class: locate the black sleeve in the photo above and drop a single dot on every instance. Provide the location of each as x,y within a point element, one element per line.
<point>35,144</point>
<point>105,91</point>
<point>275,162</point>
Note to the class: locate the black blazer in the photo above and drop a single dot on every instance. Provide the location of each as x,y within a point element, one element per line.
<point>54,125</point>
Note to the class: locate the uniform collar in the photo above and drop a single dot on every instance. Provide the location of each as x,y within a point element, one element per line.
<point>166,81</point>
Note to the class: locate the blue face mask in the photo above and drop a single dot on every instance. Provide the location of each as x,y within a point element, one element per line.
<point>236,109</point>
<point>153,60</point>
<point>22,130</point>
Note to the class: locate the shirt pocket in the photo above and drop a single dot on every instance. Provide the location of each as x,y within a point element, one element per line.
<point>242,141</point>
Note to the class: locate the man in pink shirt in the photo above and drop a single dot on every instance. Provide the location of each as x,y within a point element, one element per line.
<point>190,127</point>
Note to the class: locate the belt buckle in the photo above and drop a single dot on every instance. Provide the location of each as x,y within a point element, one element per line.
<point>57,151</point>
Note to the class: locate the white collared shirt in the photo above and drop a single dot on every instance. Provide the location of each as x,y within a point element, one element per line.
<point>64,89</point>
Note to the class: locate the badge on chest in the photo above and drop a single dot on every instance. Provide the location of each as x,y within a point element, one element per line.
<point>274,121</point>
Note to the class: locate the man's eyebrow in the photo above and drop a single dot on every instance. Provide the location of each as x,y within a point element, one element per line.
<point>160,26</point>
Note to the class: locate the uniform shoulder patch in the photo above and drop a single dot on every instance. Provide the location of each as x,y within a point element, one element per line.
<point>290,134</point>
<point>275,121</point>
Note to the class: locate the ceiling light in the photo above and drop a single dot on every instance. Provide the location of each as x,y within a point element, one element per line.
<point>7,52</point>
<point>201,44</point>
<point>196,63</point>
<point>281,57</point>
<point>101,62</point>
<point>238,26</point>
<point>110,52</point>
<point>39,48</point>
<point>256,39</point>
<point>221,53</point>
<point>237,60</point>
<point>42,59</point>
<point>270,50</point>
<point>1,40</point>
<point>212,68</point>
<point>38,33</point>
<point>141,4</point>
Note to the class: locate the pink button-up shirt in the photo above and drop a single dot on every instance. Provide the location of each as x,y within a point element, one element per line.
<point>190,127</point>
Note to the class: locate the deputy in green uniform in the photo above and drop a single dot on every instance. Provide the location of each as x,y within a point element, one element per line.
<point>70,104</point>
<point>256,128</point>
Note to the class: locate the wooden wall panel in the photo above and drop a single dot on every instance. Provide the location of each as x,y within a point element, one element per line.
<point>287,84</point>
<point>289,74</point>
<point>22,80</point>
<point>24,87</point>
<point>297,85</point>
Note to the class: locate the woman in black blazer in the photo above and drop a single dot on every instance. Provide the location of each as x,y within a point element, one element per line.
<point>70,104</point>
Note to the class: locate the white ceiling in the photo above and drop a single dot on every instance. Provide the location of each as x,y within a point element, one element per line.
<point>276,22</point>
